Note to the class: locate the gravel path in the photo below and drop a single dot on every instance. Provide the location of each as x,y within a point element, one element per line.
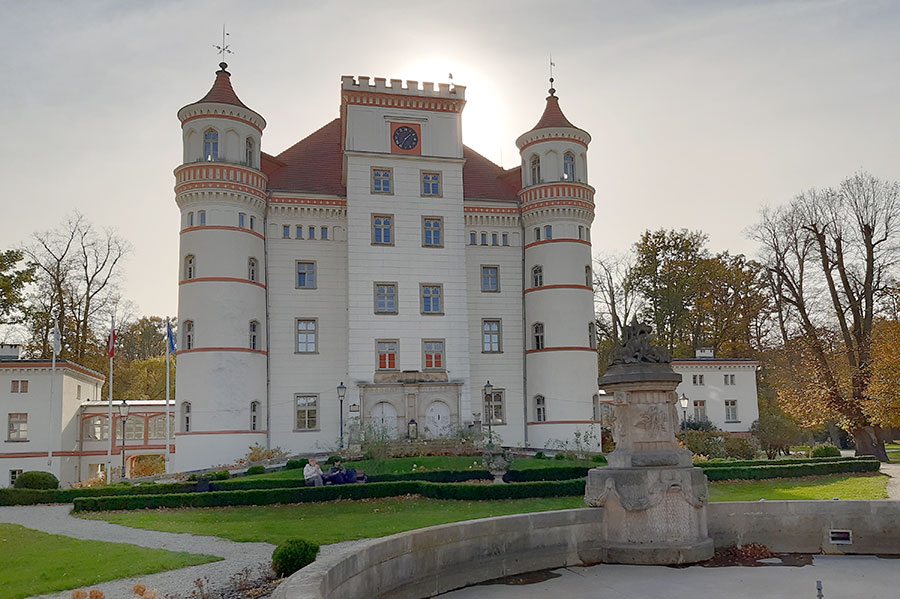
<point>55,519</point>
<point>893,486</point>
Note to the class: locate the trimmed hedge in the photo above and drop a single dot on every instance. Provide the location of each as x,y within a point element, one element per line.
<point>436,476</point>
<point>34,496</point>
<point>791,470</point>
<point>537,474</point>
<point>783,462</point>
<point>319,494</point>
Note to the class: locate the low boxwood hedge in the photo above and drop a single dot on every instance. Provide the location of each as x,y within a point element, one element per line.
<point>782,462</point>
<point>34,496</point>
<point>434,476</point>
<point>790,470</point>
<point>317,494</point>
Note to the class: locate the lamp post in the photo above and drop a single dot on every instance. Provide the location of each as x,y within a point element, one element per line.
<point>341,392</point>
<point>123,413</point>
<point>489,410</point>
<point>683,400</point>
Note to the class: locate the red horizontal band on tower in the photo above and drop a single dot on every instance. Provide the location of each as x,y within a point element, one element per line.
<point>221,280</point>
<point>222,349</point>
<point>534,243</point>
<point>220,228</point>
<point>221,116</point>
<point>537,141</point>
<point>584,287</point>
<point>548,349</point>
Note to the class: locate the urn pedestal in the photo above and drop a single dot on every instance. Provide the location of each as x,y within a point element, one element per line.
<point>654,499</point>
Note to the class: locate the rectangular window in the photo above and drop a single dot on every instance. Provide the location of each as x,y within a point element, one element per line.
<point>731,410</point>
<point>431,184</point>
<point>537,233</point>
<point>306,275</point>
<point>382,180</point>
<point>490,337</point>
<point>538,335</point>
<point>286,232</point>
<point>494,239</point>
<point>699,410</point>
<point>386,350</point>
<point>431,232</point>
<point>190,219</point>
<point>697,379</point>
<point>299,232</point>
<point>505,238</point>
<point>385,298</point>
<point>324,234</point>
<point>14,387</point>
<point>494,408</point>
<point>252,222</point>
<point>729,379</point>
<point>96,429</point>
<point>202,216</point>
<point>311,233</point>
<point>134,429</point>
<point>473,237</point>
<point>431,299</point>
<point>307,412</point>
<point>307,336</point>
<point>156,427</point>
<point>540,409</point>
<point>13,475</point>
<point>483,238</point>
<point>490,278</point>
<point>23,386</point>
<point>548,232</point>
<point>242,220</point>
<point>18,427</point>
<point>382,229</point>
<point>433,358</point>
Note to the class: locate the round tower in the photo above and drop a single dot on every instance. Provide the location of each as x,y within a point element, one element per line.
<point>220,191</point>
<point>557,209</point>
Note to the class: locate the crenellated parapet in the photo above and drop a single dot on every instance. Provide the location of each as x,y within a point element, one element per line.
<point>367,91</point>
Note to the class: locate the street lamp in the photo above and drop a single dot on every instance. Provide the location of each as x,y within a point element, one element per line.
<point>341,392</point>
<point>489,410</point>
<point>683,400</point>
<point>123,413</point>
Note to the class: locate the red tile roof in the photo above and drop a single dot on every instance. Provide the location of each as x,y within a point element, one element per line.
<point>484,180</point>
<point>314,165</point>
<point>553,116</point>
<point>221,92</point>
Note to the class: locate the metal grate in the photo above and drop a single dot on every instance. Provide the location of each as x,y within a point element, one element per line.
<point>840,537</point>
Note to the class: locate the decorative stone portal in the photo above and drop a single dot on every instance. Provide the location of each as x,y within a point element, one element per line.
<point>653,497</point>
<point>397,403</point>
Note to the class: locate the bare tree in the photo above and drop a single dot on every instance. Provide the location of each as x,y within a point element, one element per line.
<point>615,296</point>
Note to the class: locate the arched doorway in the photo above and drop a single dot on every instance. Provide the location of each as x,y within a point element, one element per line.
<point>384,420</point>
<point>437,420</point>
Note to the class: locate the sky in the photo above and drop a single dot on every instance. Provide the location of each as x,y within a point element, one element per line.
<point>701,112</point>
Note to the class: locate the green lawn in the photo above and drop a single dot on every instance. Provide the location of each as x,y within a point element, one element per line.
<point>404,465</point>
<point>871,486</point>
<point>33,562</point>
<point>894,457</point>
<point>349,520</point>
<point>892,446</point>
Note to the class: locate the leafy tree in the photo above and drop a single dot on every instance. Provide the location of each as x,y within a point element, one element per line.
<point>883,403</point>
<point>12,286</point>
<point>776,432</point>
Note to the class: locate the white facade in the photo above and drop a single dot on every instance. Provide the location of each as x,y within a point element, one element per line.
<point>388,257</point>
<point>721,391</point>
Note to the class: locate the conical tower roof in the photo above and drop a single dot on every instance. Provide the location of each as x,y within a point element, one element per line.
<point>221,91</point>
<point>553,118</point>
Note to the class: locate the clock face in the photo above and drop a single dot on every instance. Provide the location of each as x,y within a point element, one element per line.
<point>405,138</point>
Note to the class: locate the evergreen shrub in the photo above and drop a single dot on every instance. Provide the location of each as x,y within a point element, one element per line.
<point>256,470</point>
<point>296,464</point>
<point>34,479</point>
<point>824,451</point>
<point>292,555</point>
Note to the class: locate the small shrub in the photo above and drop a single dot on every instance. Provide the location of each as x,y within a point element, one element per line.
<point>258,453</point>
<point>222,475</point>
<point>598,459</point>
<point>332,459</point>
<point>36,480</point>
<point>704,426</point>
<point>292,555</point>
<point>296,464</point>
<point>824,451</point>
<point>540,456</point>
<point>559,456</point>
<point>255,470</point>
<point>742,449</point>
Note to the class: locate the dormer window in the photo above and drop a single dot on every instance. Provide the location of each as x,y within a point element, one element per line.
<point>535,170</point>
<point>211,145</point>
<point>569,167</point>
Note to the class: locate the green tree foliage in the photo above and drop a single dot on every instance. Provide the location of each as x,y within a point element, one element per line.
<point>12,286</point>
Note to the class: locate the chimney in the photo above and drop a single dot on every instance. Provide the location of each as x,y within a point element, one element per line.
<point>9,351</point>
<point>707,353</point>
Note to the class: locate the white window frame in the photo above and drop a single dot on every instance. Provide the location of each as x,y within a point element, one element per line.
<point>387,348</point>
<point>386,294</point>
<point>211,145</point>
<point>427,292</point>
<point>254,415</point>
<point>568,166</point>
<point>308,333</point>
<point>540,408</point>
<point>497,399</point>
<point>380,176</point>
<point>188,335</point>
<point>700,410</point>
<point>486,278</point>
<point>186,417</point>
<point>254,335</point>
<point>379,226</point>
<point>310,407</point>
<point>190,267</point>
<point>537,276</point>
<point>252,267</point>
<point>731,410</point>
<point>430,229</point>
<point>538,339</point>
<point>310,273</point>
<point>431,184</point>
<point>487,336</point>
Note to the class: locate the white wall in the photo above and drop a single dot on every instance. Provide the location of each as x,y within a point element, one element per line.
<point>714,390</point>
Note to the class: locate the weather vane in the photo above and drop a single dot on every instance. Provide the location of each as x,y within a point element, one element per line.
<point>224,48</point>
<point>552,64</point>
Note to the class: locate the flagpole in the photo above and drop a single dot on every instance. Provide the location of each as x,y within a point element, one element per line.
<point>112,432</point>
<point>168,344</point>
<point>52,377</point>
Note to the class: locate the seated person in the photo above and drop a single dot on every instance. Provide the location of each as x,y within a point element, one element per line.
<point>312,473</point>
<point>338,475</point>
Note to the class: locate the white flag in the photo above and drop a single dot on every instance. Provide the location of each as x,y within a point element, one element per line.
<point>57,344</point>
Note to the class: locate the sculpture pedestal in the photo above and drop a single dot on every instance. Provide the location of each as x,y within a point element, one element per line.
<point>654,499</point>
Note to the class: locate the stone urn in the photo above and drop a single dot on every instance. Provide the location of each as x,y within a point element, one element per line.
<point>497,460</point>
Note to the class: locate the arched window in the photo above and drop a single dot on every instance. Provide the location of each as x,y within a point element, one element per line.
<point>190,220</point>
<point>254,334</point>
<point>540,408</point>
<point>537,333</point>
<point>548,231</point>
<point>211,145</point>
<point>537,276</point>
<point>251,269</point>
<point>188,335</point>
<point>568,166</point>
<point>537,233</point>
<point>254,415</point>
<point>185,416</point>
<point>249,152</point>
<point>535,170</point>
<point>580,232</point>
<point>202,216</point>
<point>189,267</point>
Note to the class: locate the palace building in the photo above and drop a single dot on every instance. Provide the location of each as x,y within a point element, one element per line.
<point>381,254</point>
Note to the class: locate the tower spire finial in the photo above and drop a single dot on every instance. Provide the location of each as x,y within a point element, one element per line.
<point>223,49</point>
<point>552,64</point>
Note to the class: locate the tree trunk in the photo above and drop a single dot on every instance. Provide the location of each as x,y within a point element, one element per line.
<point>869,441</point>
